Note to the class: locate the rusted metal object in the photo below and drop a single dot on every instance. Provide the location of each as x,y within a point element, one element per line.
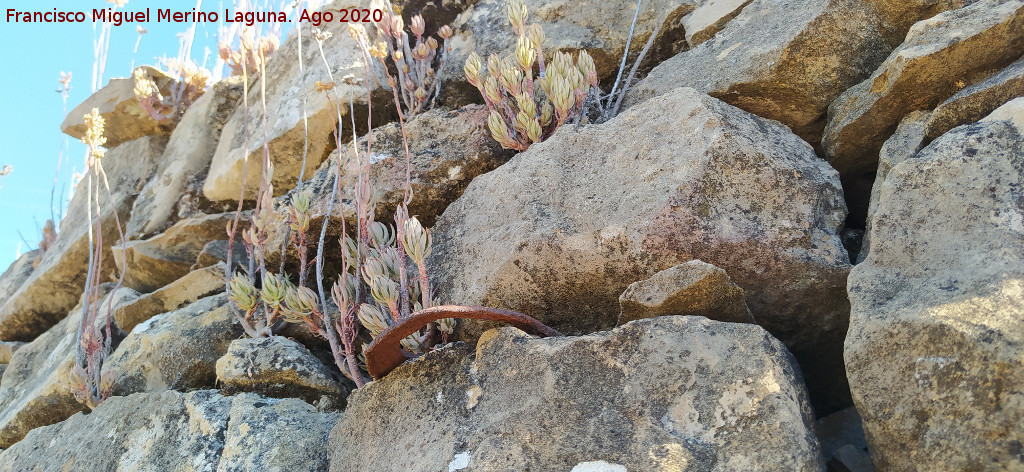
<point>385,352</point>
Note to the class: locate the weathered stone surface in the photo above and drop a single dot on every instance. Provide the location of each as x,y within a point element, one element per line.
<point>126,120</point>
<point>288,90</point>
<point>277,367</point>
<point>188,289</point>
<point>36,389</point>
<point>7,350</point>
<point>562,229</point>
<point>976,101</point>
<point>155,262</point>
<point>601,28</point>
<point>908,139</point>
<point>694,288</point>
<point>16,275</point>
<point>937,325</point>
<point>669,393</point>
<point>174,192</point>
<point>780,60</point>
<point>838,430</point>
<point>55,286</point>
<point>850,458</point>
<point>447,150</point>
<point>954,46</point>
<point>709,18</point>
<point>172,431</point>
<point>175,350</point>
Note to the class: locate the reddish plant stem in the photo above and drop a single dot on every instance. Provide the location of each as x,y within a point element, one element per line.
<point>385,352</point>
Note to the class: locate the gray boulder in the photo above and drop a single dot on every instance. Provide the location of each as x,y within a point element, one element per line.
<point>56,285</point>
<point>37,389</point>
<point>976,101</point>
<point>788,60</point>
<point>174,191</point>
<point>937,323</point>
<point>278,367</point>
<point>669,393</point>
<point>173,431</point>
<point>951,47</point>
<point>904,144</point>
<point>175,350</point>
<point>694,288</point>
<point>561,230</point>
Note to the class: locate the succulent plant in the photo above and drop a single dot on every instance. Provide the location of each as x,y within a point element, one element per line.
<point>525,109</point>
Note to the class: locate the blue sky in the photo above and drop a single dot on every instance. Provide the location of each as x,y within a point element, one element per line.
<point>31,110</point>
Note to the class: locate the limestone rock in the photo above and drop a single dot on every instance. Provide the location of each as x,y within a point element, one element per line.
<point>18,272</point>
<point>937,323</point>
<point>838,430</point>
<point>174,192</point>
<point>953,46</point>
<point>173,431</point>
<point>126,120</point>
<point>709,18</point>
<point>694,288</point>
<point>277,367</point>
<point>669,393</point>
<point>447,150</point>
<point>974,102</point>
<point>780,60</point>
<point>601,28</point>
<point>288,90</point>
<point>155,262</point>
<point>175,350</point>
<point>188,289</point>
<point>36,390</point>
<point>904,144</point>
<point>7,350</point>
<point>55,286</point>
<point>563,228</point>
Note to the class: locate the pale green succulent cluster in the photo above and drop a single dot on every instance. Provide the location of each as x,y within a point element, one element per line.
<point>264,307</point>
<point>523,109</point>
<point>395,290</point>
<point>418,62</point>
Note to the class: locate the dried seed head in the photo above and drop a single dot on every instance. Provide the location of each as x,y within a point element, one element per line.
<point>420,94</point>
<point>357,32</point>
<point>445,32</point>
<point>379,50</point>
<point>94,124</point>
<point>321,36</point>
